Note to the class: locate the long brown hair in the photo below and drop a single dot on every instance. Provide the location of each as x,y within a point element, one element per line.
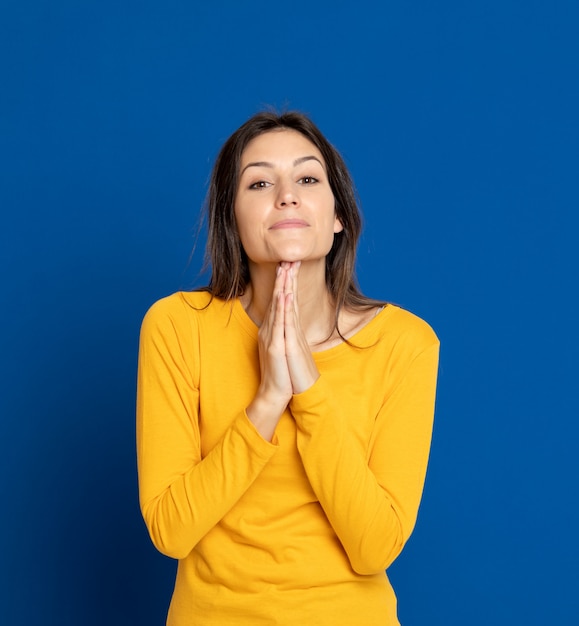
<point>224,252</point>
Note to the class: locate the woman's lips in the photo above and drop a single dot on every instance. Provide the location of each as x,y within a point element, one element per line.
<point>289,223</point>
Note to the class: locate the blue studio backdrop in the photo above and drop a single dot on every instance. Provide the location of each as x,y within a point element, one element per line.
<point>459,123</point>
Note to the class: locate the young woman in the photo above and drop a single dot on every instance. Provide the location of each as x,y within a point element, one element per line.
<point>284,419</point>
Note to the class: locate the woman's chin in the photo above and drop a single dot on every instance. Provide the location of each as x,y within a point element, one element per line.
<point>291,258</point>
<point>289,254</point>
<point>296,253</point>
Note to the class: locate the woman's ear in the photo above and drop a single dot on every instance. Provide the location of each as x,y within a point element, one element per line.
<point>338,228</point>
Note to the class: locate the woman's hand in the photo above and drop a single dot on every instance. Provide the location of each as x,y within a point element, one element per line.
<point>275,389</point>
<point>275,378</point>
<point>301,365</point>
<point>285,359</point>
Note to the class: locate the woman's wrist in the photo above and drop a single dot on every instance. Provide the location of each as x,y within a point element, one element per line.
<point>264,414</point>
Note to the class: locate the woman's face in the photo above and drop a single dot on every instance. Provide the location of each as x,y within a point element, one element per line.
<point>284,206</point>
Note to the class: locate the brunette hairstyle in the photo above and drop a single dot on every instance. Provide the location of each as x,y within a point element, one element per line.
<point>224,252</point>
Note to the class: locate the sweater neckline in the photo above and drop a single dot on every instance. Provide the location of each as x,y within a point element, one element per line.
<point>364,337</point>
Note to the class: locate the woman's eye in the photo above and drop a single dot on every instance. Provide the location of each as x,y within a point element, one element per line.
<point>260,184</point>
<point>308,180</point>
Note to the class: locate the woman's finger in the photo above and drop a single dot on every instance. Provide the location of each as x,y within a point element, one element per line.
<point>302,368</point>
<point>278,287</point>
<point>294,272</point>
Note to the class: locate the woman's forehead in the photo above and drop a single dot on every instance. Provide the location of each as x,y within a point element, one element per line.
<point>279,145</point>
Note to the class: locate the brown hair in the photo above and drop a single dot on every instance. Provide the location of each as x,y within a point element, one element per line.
<point>224,252</point>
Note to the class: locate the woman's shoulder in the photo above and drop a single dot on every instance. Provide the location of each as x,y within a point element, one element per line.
<point>178,301</point>
<point>406,326</point>
<point>386,327</point>
<point>179,307</point>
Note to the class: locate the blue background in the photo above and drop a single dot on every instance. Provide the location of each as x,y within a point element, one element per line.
<point>459,121</point>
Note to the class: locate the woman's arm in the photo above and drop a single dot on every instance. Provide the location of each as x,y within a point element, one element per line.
<point>183,495</point>
<point>371,497</point>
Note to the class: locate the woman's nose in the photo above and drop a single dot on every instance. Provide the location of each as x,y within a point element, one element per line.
<point>287,196</point>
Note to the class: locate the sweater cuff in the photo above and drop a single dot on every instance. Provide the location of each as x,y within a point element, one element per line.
<point>244,427</point>
<point>312,405</point>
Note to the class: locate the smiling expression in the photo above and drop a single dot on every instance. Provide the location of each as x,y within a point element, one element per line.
<point>284,206</point>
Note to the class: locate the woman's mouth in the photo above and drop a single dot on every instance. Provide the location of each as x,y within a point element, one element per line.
<point>289,223</point>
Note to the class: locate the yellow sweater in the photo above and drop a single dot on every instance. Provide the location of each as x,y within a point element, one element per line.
<point>298,531</point>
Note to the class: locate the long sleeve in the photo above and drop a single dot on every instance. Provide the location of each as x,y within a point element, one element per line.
<point>183,495</point>
<point>370,491</point>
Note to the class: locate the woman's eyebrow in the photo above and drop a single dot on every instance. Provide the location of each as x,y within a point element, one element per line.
<point>256,164</point>
<point>268,164</point>
<point>307,158</point>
